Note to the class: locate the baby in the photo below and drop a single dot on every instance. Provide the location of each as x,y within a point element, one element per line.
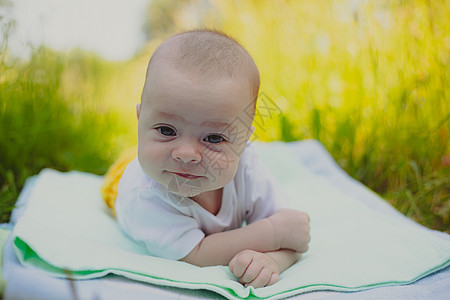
<point>197,179</point>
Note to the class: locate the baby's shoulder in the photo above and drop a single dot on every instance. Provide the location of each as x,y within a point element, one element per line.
<point>248,158</point>
<point>134,178</point>
<point>135,188</point>
<point>248,166</point>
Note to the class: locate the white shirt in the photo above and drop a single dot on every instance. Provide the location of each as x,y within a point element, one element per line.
<point>171,226</point>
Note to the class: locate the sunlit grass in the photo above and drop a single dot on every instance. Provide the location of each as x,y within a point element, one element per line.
<point>368,79</point>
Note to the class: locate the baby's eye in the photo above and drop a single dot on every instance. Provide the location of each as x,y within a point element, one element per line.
<point>214,139</point>
<point>166,131</point>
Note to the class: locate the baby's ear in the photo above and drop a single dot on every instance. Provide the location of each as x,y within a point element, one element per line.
<point>138,110</point>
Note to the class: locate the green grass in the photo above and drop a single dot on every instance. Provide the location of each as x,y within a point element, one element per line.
<point>371,83</point>
<point>52,115</point>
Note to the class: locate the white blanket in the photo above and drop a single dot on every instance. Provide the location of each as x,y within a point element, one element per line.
<point>358,241</point>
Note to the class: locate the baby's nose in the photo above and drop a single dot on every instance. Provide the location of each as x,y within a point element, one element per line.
<point>187,153</point>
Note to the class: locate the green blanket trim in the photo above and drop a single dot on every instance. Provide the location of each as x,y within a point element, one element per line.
<point>28,255</point>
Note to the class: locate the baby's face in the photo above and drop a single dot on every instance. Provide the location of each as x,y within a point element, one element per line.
<point>192,130</point>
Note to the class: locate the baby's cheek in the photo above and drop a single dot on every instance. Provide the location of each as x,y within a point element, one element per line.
<point>216,162</point>
<point>151,156</point>
<point>154,152</point>
<point>226,170</point>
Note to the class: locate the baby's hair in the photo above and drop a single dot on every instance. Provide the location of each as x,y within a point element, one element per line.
<point>210,52</point>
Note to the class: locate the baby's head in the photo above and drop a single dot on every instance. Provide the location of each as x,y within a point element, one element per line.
<point>196,111</point>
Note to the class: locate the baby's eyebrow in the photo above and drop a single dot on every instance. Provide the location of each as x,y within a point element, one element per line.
<point>215,124</point>
<point>171,116</point>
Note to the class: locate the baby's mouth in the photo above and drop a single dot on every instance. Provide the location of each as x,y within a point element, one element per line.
<point>187,176</point>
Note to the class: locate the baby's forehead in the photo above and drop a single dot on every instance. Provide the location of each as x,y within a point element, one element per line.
<point>192,85</point>
<point>173,90</point>
<point>166,76</point>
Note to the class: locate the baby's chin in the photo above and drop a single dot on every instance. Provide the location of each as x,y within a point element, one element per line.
<point>186,194</point>
<point>188,188</point>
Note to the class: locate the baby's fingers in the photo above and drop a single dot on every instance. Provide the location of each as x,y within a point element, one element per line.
<point>252,272</point>
<point>262,279</point>
<point>239,264</point>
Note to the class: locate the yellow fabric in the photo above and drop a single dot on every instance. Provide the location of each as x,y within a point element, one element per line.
<point>110,184</point>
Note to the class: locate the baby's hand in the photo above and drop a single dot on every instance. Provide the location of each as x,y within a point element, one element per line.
<point>291,229</point>
<point>254,268</point>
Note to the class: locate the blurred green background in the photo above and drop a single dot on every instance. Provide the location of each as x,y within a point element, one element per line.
<point>369,79</point>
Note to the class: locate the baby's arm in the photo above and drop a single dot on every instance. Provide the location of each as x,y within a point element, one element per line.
<point>261,269</point>
<point>286,229</point>
<point>219,248</point>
